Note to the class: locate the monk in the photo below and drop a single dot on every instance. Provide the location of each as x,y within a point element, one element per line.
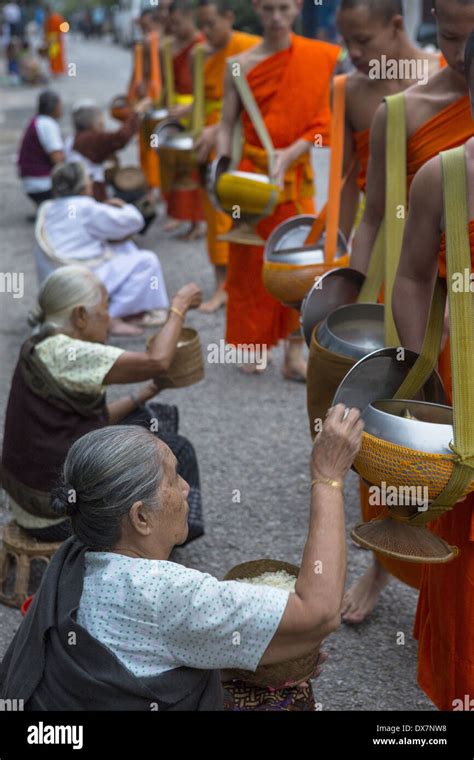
<point>216,20</point>
<point>438,118</point>
<point>445,616</point>
<point>184,203</point>
<point>55,27</point>
<point>278,71</point>
<point>372,29</point>
<point>150,21</point>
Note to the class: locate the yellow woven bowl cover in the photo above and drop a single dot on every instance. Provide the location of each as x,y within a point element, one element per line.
<point>379,461</point>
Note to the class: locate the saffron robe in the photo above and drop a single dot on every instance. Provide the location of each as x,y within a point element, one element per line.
<point>219,223</point>
<point>55,40</point>
<point>277,82</point>
<point>444,623</point>
<point>185,201</point>
<point>449,128</point>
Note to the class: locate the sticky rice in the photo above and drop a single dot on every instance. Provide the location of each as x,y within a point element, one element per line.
<point>279,579</point>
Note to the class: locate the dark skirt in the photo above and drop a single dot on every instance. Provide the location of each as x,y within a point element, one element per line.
<point>166,419</point>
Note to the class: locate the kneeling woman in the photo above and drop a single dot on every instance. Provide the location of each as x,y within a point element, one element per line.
<point>75,229</point>
<point>149,633</point>
<point>58,394</point>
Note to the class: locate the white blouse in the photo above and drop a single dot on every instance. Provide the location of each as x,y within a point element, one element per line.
<point>156,615</point>
<point>78,227</point>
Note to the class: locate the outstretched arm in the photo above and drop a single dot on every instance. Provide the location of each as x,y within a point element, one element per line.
<point>313,611</point>
<point>418,268</point>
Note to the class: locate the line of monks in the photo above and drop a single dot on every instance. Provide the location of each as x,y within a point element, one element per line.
<point>290,79</point>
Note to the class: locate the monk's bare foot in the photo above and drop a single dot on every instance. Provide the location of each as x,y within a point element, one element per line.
<point>218,300</point>
<point>295,370</point>
<point>360,600</point>
<point>171,225</point>
<point>120,327</point>
<point>295,365</point>
<point>256,368</point>
<point>195,232</point>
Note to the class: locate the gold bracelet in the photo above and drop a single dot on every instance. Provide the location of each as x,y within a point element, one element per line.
<point>177,311</point>
<point>327,482</point>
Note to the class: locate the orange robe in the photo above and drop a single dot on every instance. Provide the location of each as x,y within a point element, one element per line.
<point>451,127</point>
<point>278,85</point>
<point>444,623</point>
<point>219,223</point>
<point>55,40</point>
<point>362,149</point>
<point>185,199</point>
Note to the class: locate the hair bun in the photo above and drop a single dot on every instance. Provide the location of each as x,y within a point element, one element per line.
<point>36,316</point>
<point>63,500</point>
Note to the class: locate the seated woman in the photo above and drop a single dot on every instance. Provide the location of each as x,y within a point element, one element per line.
<point>93,144</point>
<point>151,634</point>
<point>58,394</point>
<point>76,229</point>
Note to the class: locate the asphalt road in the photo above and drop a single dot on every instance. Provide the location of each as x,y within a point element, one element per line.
<point>251,433</point>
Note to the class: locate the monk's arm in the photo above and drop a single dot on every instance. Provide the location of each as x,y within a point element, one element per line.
<point>418,266</point>
<point>366,235</point>
<point>230,113</point>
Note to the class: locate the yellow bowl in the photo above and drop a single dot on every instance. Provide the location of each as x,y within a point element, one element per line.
<point>254,194</point>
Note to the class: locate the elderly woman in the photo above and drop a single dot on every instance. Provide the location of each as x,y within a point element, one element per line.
<point>41,148</point>
<point>149,633</point>
<point>76,229</point>
<point>93,144</point>
<point>58,394</point>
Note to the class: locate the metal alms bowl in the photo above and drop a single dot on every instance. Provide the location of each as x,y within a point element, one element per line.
<point>392,420</point>
<point>339,287</point>
<point>353,331</point>
<point>219,166</point>
<point>379,376</point>
<point>286,244</point>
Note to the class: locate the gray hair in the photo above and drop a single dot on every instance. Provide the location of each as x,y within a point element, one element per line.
<point>85,115</point>
<point>69,179</point>
<point>105,473</point>
<point>61,292</point>
<point>48,102</point>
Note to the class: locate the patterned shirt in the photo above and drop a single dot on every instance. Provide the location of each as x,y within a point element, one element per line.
<point>156,615</point>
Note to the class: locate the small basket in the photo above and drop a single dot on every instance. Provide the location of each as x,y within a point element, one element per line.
<point>187,367</point>
<point>279,674</point>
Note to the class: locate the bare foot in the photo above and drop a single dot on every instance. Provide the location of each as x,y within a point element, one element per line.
<point>120,327</point>
<point>255,368</point>
<point>195,232</point>
<point>218,300</point>
<point>295,370</point>
<point>360,600</point>
<point>171,225</point>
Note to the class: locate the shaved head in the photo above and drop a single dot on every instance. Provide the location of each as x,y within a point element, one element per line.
<point>384,9</point>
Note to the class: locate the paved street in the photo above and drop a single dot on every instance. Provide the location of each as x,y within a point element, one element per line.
<point>251,433</point>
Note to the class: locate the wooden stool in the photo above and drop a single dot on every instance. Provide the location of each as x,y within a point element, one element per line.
<point>17,545</point>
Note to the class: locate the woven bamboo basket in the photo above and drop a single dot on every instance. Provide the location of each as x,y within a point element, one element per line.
<point>187,367</point>
<point>280,674</point>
